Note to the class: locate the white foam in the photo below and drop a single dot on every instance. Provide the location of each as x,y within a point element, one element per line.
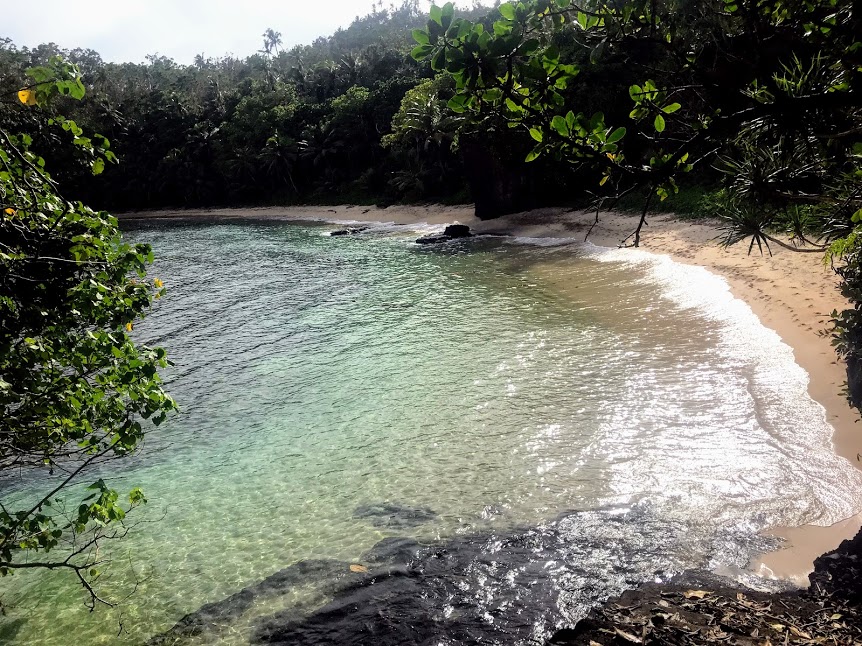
<point>777,384</point>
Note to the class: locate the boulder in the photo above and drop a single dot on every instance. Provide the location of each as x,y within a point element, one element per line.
<point>457,231</point>
<point>433,239</point>
<point>350,231</point>
<point>449,233</point>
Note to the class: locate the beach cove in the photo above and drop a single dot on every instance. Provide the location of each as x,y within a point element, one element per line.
<point>791,293</point>
<point>484,438</point>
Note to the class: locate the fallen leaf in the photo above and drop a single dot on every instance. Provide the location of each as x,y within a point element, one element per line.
<point>358,568</point>
<point>777,627</point>
<point>628,636</point>
<point>799,633</point>
<point>836,616</point>
<point>696,594</point>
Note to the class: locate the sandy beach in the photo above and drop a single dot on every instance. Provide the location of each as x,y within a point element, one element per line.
<point>792,293</point>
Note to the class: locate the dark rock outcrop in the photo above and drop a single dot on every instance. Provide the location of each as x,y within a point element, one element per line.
<point>457,231</point>
<point>451,232</point>
<point>394,550</point>
<point>349,231</point>
<point>691,611</point>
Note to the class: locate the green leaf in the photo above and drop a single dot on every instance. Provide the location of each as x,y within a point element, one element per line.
<point>98,166</point>
<point>534,154</point>
<point>457,103</point>
<point>616,135</point>
<point>536,134</point>
<point>421,36</point>
<point>636,93</point>
<point>507,11</point>
<point>436,14</point>
<point>559,124</point>
<point>670,109</point>
<point>446,15</point>
<point>438,60</point>
<point>659,123</point>
<point>421,52</point>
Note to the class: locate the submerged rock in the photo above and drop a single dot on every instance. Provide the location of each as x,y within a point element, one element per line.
<point>392,515</point>
<point>521,585</point>
<point>395,550</point>
<point>212,617</point>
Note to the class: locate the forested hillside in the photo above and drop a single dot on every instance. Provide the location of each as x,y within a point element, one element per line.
<point>310,123</point>
<point>351,117</point>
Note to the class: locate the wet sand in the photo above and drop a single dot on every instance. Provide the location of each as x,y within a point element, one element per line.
<point>792,293</point>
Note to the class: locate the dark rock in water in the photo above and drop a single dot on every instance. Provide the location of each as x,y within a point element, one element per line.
<point>433,239</point>
<point>349,231</point>
<point>392,515</point>
<point>449,233</point>
<point>515,587</point>
<point>395,549</point>
<point>207,616</point>
<point>212,616</point>
<point>457,231</point>
<point>285,580</point>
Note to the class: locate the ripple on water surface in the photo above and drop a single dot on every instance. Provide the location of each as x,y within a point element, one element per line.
<point>595,419</point>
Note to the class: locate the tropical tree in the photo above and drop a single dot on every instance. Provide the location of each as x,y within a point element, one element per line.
<point>778,79</point>
<point>770,91</point>
<point>76,391</point>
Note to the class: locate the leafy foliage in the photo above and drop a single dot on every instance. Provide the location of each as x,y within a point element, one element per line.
<point>75,388</point>
<point>784,121</point>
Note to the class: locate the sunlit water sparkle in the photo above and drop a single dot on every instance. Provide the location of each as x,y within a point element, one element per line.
<point>499,383</point>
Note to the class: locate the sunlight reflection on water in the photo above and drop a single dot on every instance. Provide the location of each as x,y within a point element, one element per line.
<point>496,383</point>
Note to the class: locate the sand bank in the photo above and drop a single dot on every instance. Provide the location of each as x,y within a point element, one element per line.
<point>792,293</point>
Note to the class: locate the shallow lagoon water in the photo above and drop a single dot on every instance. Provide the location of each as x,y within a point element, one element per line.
<point>626,408</point>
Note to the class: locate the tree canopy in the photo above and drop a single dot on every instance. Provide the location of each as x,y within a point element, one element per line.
<point>767,92</point>
<point>75,389</point>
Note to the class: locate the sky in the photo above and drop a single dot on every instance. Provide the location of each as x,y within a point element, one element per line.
<point>128,30</point>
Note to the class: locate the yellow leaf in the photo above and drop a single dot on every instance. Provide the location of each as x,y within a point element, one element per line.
<point>358,568</point>
<point>697,594</point>
<point>158,283</point>
<point>777,627</point>
<point>604,179</point>
<point>129,327</point>
<point>10,211</point>
<point>27,97</point>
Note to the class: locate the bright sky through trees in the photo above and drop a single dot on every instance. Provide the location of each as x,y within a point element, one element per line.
<point>131,29</point>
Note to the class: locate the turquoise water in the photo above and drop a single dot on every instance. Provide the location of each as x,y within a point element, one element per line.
<point>492,383</point>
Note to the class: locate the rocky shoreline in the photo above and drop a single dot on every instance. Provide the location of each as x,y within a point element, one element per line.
<point>688,611</point>
<point>514,589</point>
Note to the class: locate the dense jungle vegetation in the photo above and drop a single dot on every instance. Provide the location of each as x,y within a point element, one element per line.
<point>534,102</point>
<point>309,123</point>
